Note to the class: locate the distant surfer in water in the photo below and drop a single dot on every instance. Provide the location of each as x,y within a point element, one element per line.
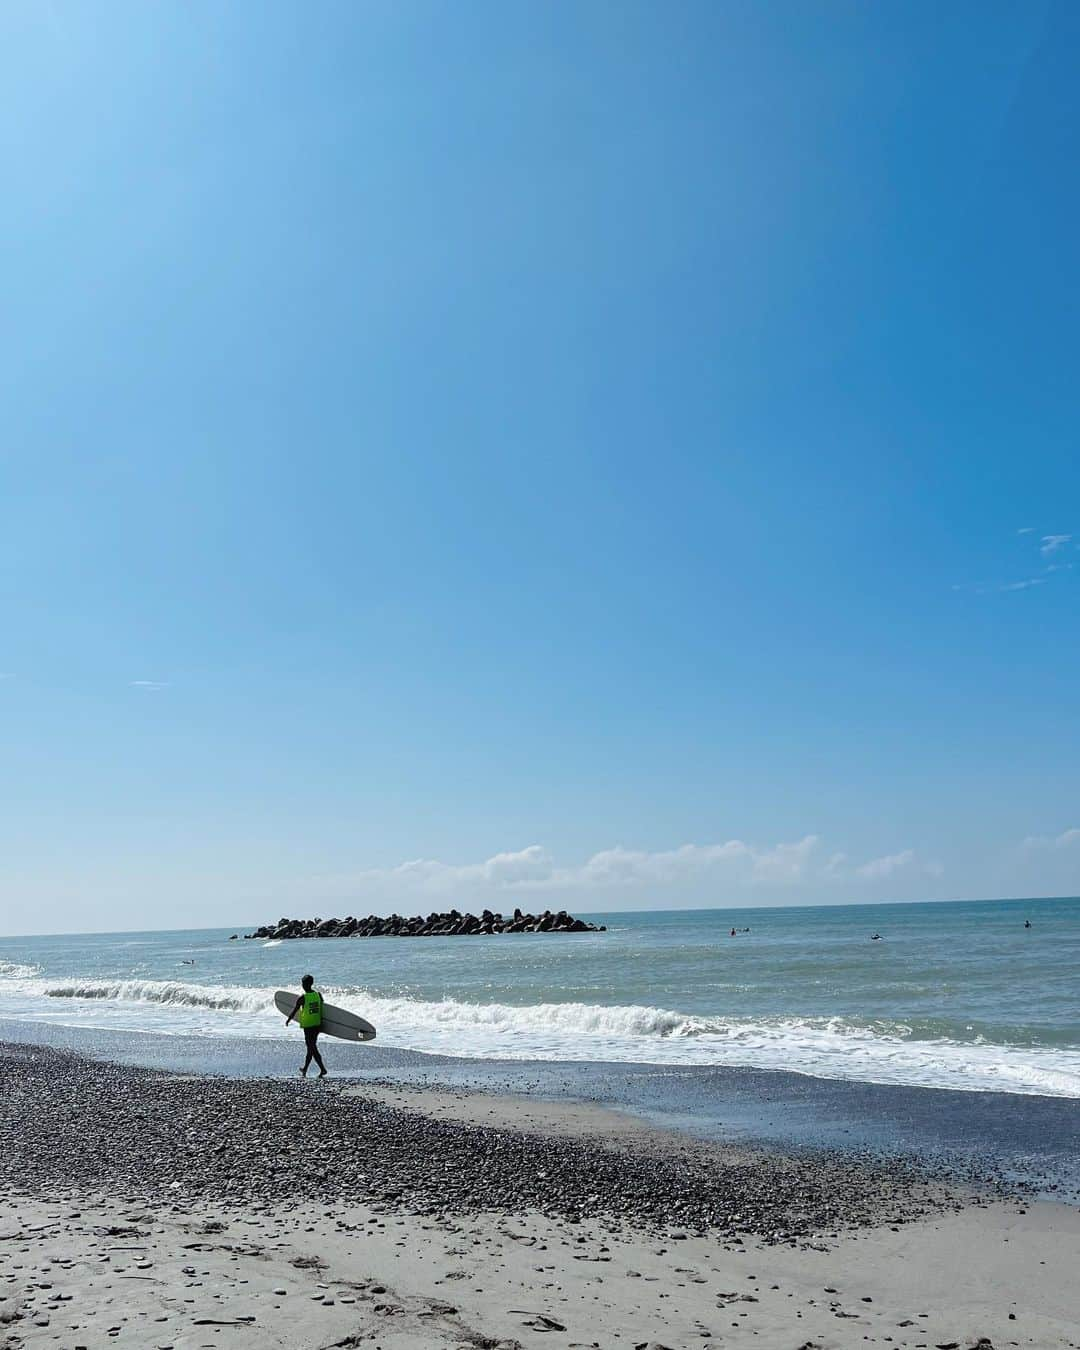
<point>309,1006</point>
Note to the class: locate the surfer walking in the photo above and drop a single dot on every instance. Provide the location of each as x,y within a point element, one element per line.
<point>309,1007</point>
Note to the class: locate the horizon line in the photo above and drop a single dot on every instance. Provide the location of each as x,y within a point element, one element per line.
<point>587,913</point>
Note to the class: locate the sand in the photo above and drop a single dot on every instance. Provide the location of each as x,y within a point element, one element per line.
<point>94,1272</point>
<point>86,1266</point>
<point>534,1115</point>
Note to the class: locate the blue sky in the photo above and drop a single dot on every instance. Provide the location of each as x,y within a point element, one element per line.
<point>610,454</point>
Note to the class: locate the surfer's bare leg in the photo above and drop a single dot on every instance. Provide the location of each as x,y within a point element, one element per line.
<point>311,1036</point>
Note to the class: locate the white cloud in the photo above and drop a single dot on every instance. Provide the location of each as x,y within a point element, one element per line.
<point>534,868</point>
<point>507,869</point>
<point>618,866</point>
<point>150,684</point>
<point>690,868</point>
<point>532,864</point>
<point>886,866</point>
<point>622,866</point>
<point>907,860</point>
<point>1049,545</point>
<point>786,862</point>
<point>1062,840</point>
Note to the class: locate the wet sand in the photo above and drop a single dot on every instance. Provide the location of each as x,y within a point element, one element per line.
<point>148,1209</point>
<point>511,1111</point>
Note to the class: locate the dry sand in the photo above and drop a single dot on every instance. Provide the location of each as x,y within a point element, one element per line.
<point>94,1272</point>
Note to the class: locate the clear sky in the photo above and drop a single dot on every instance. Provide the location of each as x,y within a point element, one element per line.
<point>600,455</point>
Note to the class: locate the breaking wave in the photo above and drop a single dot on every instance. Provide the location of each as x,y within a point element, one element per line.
<point>171,992</point>
<point>12,970</point>
<point>916,1053</point>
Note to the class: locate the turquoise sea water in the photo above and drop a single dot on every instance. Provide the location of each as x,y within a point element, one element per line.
<point>957,995</point>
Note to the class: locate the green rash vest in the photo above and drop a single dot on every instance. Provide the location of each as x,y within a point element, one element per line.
<point>311,1009</point>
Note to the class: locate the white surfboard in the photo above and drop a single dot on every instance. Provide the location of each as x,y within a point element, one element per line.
<point>346,1026</point>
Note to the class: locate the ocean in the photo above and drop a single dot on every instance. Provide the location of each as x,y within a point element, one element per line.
<point>954,995</point>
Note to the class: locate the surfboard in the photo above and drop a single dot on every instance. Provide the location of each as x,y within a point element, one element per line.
<point>346,1026</point>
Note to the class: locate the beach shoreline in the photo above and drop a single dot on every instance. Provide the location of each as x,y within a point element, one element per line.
<point>162,1209</point>
<point>983,1138</point>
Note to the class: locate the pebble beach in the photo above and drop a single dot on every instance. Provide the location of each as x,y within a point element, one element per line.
<point>174,1210</point>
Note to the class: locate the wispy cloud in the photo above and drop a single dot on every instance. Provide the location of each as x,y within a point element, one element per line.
<point>734,863</point>
<point>150,684</point>
<point>529,865</point>
<point>1049,546</point>
<point>877,868</point>
<point>836,865</point>
<point>778,864</point>
<point>534,867</point>
<point>1063,840</point>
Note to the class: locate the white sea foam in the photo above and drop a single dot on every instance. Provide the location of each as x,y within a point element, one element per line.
<point>882,1052</point>
<point>826,1047</point>
<point>238,998</point>
<point>12,970</point>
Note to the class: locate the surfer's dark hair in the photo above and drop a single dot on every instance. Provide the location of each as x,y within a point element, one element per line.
<point>308,981</point>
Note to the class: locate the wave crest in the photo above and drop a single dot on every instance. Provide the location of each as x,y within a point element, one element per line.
<point>173,992</point>
<point>920,1051</point>
<point>12,970</point>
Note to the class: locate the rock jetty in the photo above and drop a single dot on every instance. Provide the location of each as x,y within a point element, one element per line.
<point>450,924</point>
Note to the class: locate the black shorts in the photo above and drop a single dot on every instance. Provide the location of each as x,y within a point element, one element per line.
<point>311,1035</point>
